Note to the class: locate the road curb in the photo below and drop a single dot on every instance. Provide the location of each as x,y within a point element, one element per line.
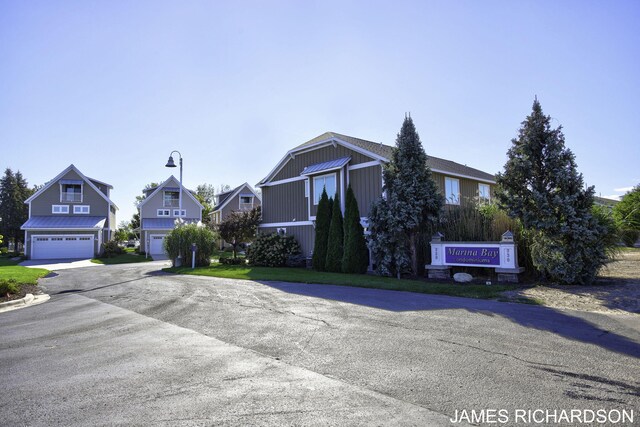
<point>29,299</point>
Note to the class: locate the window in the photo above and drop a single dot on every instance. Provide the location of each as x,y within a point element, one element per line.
<point>484,192</point>
<point>60,209</point>
<point>326,181</point>
<point>452,190</point>
<point>171,199</point>
<point>81,209</point>
<point>177,212</point>
<point>281,230</point>
<point>71,192</point>
<point>164,212</point>
<point>246,202</point>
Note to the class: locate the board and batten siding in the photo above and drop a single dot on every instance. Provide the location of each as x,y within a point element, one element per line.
<point>284,203</point>
<point>293,168</point>
<point>304,235</point>
<point>41,205</point>
<point>468,187</point>
<point>366,184</point>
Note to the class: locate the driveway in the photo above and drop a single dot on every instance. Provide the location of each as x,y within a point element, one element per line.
<point>58,264</point>
<point>130,344</point>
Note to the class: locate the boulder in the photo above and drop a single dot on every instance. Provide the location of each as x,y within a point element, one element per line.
<point>462,277</point>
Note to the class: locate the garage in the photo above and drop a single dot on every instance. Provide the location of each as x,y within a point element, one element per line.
<point>156,244</point>
<point>62,246</point>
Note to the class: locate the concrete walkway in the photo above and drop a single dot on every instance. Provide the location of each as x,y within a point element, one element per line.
<point>59,264</point>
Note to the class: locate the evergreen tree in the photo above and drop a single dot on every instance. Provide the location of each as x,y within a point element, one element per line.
<point>627,216</point>
<point>541,186</point>
<point>412,199</point>
<point>323,221</point>
<point>355,258</point>
<point>335,243</point>
<point>13,212</point>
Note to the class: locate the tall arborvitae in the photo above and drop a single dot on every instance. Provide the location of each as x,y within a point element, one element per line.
<point>413,202</point>
<point>323,220</point>
<point>541,186</point>
<point>356,256</point>
<point>14,191</point>
<point>335,244</point>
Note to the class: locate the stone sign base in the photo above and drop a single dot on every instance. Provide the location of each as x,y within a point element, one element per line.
<point>438,271</point>
<point>509,275</point>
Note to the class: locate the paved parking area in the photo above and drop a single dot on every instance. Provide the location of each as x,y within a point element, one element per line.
<point>129,344</point>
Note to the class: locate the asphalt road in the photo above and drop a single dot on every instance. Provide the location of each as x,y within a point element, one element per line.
<point>128,344</point>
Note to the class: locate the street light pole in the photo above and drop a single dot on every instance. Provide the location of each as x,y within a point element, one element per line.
<point>172,164</point>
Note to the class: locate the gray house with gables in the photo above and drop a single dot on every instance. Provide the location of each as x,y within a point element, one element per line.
<point>291,191</point>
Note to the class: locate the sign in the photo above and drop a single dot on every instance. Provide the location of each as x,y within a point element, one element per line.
<point>472,255</point>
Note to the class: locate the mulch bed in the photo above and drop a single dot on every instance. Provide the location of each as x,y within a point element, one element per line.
<point>24,290</point>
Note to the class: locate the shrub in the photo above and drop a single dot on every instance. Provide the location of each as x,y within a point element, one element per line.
<point>629,236</point>
<point>356,257</point>
<point>272,250</point>
<point>323,222</point>
<point>335,243</point>
<point>232,261</point>
<point>111,249</point>
<point>4,250</point>
<point>179,240</point>
<point>8,286</point>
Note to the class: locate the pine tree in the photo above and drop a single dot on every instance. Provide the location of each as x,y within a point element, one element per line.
<point>413,202</point>
<point>13,212</point>
<point>323,221</point>
<point>541,186</point>
<point>335,243</point>
<point>355,258</point>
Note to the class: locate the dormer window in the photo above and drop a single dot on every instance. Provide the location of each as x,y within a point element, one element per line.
<point>246,201</point>
<point>70,191</point>
<point>171,199</point>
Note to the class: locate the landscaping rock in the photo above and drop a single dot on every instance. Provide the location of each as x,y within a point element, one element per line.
<point>462,277</point>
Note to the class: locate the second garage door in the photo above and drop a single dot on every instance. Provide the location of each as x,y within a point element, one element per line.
<point>62,247</point>
<point>156,245</point>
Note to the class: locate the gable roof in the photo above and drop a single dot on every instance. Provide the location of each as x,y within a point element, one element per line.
<point>58,177</point>
<point>163,185</point>
<point>383,153</point>
<point>229,195</point>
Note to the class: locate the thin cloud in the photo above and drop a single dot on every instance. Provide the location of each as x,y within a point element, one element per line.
<point>623,189</point>
<point>613,197</point>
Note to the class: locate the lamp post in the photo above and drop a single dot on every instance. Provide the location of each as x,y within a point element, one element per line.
<point>171,164</point>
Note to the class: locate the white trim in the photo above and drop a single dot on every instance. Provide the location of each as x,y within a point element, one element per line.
<point>334,175</point>
<point>59,177</point>
<point>456,201</point>
<point>364,165</point>
<point>234,194</point>
<point>458,175</point>
<point>161,213</point>
<point>283,181</point>
<point>77,209</point>
<point>308,192</point>
<point>33,236</point>
<point>317,145</point>
<point>342,192</point>
<point>161,186</point>
<point>285,224</point>
<point>64,209</point>
<point>179,215</point>
<point>66,192</point>
<point>488,199</point>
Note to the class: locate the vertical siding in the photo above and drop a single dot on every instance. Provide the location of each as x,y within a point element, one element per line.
<point>468,187</point>
<point>304,235</point>
<point>339,188</point>
<point>367,187</point>
<point>41,205</point>
<point>294,166</point>
<point>284,203</point>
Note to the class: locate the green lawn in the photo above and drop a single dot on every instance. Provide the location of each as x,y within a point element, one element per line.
<point>11,270</point>
<point>301,275</point>
<point>129,256</point>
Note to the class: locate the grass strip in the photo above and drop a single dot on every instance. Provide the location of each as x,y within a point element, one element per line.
<point>302,275</point>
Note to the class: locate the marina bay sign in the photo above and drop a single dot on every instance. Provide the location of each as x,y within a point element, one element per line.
<point>472,255</point>
<point>502,256</point>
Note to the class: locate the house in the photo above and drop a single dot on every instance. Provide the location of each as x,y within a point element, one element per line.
<point>241,198</point>
<point>69,217</point>
<point>160,211</point>
<point>291,191</point>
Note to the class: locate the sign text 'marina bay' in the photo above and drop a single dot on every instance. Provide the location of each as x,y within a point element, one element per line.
<point>481,255</point>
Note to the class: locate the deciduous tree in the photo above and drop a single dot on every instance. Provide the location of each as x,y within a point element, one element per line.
<point>240,227</point>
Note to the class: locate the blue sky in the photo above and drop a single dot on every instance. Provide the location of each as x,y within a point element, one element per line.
<point>114,87</point>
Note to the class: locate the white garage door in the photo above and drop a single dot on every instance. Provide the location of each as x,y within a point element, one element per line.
<point>156,246</point>
<point>60,247</point>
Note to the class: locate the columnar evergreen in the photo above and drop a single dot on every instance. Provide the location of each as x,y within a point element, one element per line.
<point>356,256</point>
<point>323,220</point>
<point>14,191</point>
<point>412,203</point>
<point>541,186</point>
<point>335,243</point>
